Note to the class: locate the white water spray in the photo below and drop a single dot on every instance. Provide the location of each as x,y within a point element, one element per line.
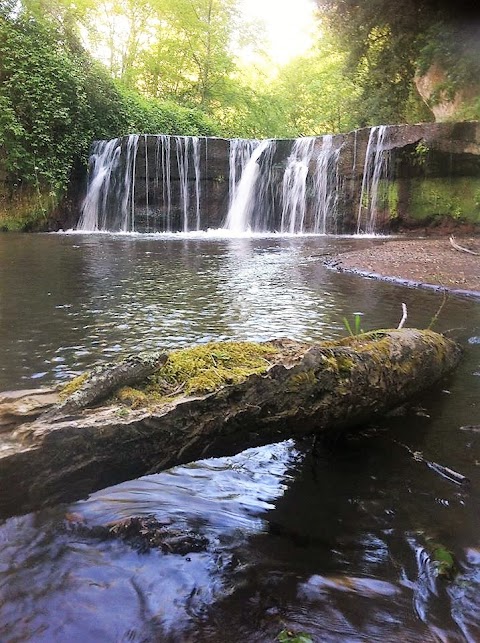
<point>294,185</point>
<point>239,216</point>
<point>104,161</point>
<point>376,167</point>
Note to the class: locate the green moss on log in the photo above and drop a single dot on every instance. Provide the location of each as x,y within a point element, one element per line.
<point>199,370</point>
<point>207,368</point>
<point>73,385</point>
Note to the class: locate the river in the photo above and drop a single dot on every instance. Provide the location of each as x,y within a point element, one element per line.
<point>332,540</point>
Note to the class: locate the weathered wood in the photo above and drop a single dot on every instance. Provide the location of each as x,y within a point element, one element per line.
<point>319,388</point>
<point>460,248</point>
<point>103,380</point>
<point>17,407</point>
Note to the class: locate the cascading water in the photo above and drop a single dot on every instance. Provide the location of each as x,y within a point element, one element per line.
<point>294,186</point>
<point>104,161</point>
<point>376,168</point>
<point>182,148</point>
<point>196,166</point>
<point>326,185</point>
<point>111,201</point>
<point>249,190</point>
<point>241,150</point>
<point>163,174</point>
<point>155,184</point>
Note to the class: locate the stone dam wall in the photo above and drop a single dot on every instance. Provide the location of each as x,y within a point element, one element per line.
<point>374,180</point>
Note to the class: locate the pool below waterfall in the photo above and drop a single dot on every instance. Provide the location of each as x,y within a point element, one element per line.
<point>334,540</point>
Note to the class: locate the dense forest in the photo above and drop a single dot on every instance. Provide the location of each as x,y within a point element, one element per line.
<point>74,71</point>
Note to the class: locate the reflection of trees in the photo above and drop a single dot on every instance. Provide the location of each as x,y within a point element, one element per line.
<point>339,552</point>
<point>40,290</point>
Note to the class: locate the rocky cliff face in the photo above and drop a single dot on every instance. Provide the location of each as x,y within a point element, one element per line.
<point>436,92</point>
<point>432,172</point>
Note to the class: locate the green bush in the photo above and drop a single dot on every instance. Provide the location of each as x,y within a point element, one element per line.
<point>55,100</point>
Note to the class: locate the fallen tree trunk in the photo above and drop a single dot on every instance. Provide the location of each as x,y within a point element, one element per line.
<point>304,388</point>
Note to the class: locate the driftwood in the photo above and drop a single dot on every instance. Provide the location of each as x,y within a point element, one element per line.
<point>444,472</point>
<point>320,388</point>
<point>103,380</point>
<point>456,246</point>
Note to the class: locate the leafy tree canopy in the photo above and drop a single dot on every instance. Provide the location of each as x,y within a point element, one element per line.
<point>390,42</point>
<point>55,99</point>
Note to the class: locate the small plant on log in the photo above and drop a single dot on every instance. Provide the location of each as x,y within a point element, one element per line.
<point>357,321</point>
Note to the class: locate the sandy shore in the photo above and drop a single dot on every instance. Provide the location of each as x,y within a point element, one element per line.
<point>422,262</point>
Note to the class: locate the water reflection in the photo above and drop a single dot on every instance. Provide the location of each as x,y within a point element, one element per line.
<point>105,591</point>
<point>70,302</point>
<point>332,541</point>
<point>267,294</point>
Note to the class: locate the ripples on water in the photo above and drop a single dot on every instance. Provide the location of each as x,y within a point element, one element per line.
<point>332,541</point>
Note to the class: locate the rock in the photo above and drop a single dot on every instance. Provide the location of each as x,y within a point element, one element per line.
<point>144,533</point>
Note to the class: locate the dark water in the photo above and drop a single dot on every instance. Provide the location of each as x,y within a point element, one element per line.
<point>332,540</point>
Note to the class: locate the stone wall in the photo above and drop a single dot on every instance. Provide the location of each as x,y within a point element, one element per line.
<point>434,172</point>
<point>431,172</point>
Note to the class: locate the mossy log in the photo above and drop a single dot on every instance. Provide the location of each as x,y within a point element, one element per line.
<point>288,389</point>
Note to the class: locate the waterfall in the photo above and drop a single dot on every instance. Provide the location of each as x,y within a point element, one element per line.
<point>294,186</point>
<point>118,201</point>
<point>246,190</point>
<point>326,185</point>
<point>104,160</point>
<point>162,183</point>
<point>109,204</point>
<point>376,167</point>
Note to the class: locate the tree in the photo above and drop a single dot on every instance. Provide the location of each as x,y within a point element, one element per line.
<point>119,32</point>
<point>318,94</point>
<point>389,43</point>
<point>175,49</point>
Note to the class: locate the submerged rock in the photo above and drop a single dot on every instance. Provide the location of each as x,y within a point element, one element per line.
<point>144,533</point>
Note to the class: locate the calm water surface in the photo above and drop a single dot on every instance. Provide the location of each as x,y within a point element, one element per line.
<point>331,540</point>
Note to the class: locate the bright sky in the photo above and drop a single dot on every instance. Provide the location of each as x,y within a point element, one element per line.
<point>289,25</point>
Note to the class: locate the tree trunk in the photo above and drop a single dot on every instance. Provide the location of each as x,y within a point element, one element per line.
<point>320,388</point>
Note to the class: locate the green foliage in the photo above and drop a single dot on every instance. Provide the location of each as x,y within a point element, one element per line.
<point>26,211</point>
<point>356,330</point>
<point>169,49</point>
<point>454,51</point>
<point>317,93</point>
<point>55,100</point>
<point>387,45</point>
<point>420,155</point>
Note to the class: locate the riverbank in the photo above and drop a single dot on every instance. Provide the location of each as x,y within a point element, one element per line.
<point>430,263</point>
